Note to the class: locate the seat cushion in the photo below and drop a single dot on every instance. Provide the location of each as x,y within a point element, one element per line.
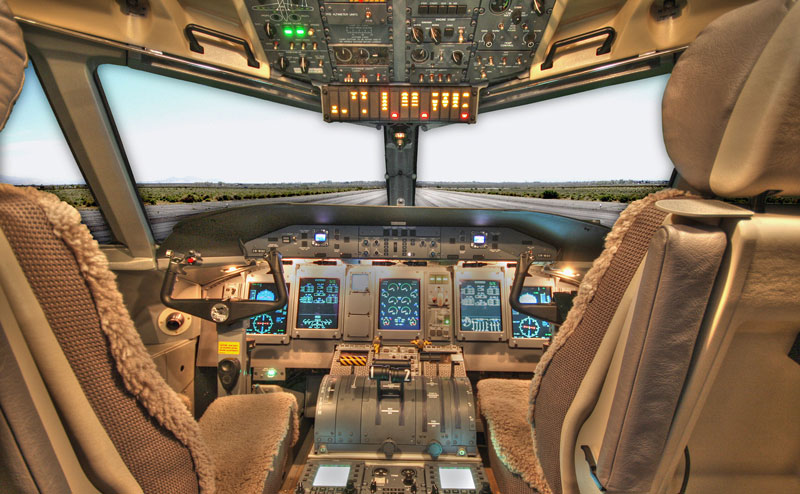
<point>504,405</point>
<point>248,435</point>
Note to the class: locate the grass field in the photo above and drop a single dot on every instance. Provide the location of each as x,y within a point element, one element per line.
<point>80,197</point>
<point>605,193</point>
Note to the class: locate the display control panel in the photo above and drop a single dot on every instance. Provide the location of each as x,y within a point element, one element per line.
<point>330,476</point>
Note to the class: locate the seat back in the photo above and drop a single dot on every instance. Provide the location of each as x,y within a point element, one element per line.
<point>625,378</point>
<point>150,428</point>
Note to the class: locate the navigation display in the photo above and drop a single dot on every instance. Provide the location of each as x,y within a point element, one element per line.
<point>318,304</point>
<point>399,304</point>
<point>331,476</point>
<point>527,327</point>
<point>273,322</point>
<point>480,306</point>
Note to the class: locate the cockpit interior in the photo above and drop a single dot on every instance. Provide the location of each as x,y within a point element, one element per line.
<point>398,335</point>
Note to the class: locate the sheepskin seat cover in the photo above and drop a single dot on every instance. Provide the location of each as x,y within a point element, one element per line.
<point>245,434</point>
<point>34,220</point>
<point>502,403</point>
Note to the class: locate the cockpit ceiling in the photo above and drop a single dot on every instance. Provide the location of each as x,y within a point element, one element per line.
<point>421,47</point>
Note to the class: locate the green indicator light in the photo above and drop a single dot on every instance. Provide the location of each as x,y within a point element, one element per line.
<point>288,31</point>
<point>271,373</point>
<point>300,31</point>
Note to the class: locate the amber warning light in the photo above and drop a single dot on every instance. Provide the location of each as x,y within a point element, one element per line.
<point>402,103</point>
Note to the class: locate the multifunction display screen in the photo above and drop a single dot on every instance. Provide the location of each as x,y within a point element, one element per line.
<point>527,327</point>
<point>273,322</point>
<point>331,476</point>
<point>399,304</point>
<point>456,478</point>
<point>318,304</point>
<point>480,306</point>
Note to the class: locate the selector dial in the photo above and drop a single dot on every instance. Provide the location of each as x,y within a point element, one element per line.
<point>488,39</point>
<point>283,64</point>
<point>529,38</point>
<point>436,34</point>
<point>417,34</point>
<point>304,64</point>
<point>457,57</point>
<point>538,7</point>
<point>269,28</point>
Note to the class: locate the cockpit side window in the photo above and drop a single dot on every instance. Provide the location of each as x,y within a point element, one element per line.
<point>34,152</point>
<point>195,148</point>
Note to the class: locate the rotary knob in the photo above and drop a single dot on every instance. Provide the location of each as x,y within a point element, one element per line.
<point>436,35</point>
<point>538,7</point>
<point>529,38</point>
<point>488,39</point>
<point>417,34</point>
<point>269,28</point>
<point>304,64</point>
<point>457,57</point>
<point>283,64</point>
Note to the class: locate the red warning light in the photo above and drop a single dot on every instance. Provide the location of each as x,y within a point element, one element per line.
<point>464,116</point>
<point>423,115</point>
<point>395,115</point>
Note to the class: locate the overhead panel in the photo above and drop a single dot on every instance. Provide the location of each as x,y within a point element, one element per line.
<point>351,45</point>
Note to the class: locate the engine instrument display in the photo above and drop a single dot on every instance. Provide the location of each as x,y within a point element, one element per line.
<point>318,303</point>
<point>481,309</point>
<point>273,322</point>
<point>399,304</point>
<point>527,327</point>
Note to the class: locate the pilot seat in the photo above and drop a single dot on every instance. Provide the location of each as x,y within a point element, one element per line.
<point>614,397</point>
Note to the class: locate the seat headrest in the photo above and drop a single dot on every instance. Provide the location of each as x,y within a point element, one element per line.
<point>731,110</point>
<point>13,58</point>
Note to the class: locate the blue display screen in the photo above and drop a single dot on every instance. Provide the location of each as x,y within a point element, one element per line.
<point>399,304</point>
<point>320,237</point>
<point>527,327</point>
<point>481,309</point>
<point>318,303</point>
<point>273,322</point>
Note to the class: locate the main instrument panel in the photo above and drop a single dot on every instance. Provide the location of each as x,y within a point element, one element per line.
<point>359,300</point>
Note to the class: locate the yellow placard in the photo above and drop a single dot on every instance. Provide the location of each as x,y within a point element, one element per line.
<point>228,347</point>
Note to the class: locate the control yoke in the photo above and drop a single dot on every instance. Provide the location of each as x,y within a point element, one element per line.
<point>545,312</point>
<point>218,310</point>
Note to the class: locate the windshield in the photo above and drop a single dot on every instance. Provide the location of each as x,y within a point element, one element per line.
<point>195,148</point>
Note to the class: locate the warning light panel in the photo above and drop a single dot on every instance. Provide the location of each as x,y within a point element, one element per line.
<point>400,103</point>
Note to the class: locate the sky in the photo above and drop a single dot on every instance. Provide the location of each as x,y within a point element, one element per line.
<point>177,131</point>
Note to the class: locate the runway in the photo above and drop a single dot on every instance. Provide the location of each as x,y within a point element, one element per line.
<point>164,216</point>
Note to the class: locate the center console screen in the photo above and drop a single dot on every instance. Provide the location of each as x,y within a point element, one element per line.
<point>273,322</point>
<point>399,304</point>
<point>332,476</point>
<point>456,478</point>
<point>480,306</point>
<point>318,303</point>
